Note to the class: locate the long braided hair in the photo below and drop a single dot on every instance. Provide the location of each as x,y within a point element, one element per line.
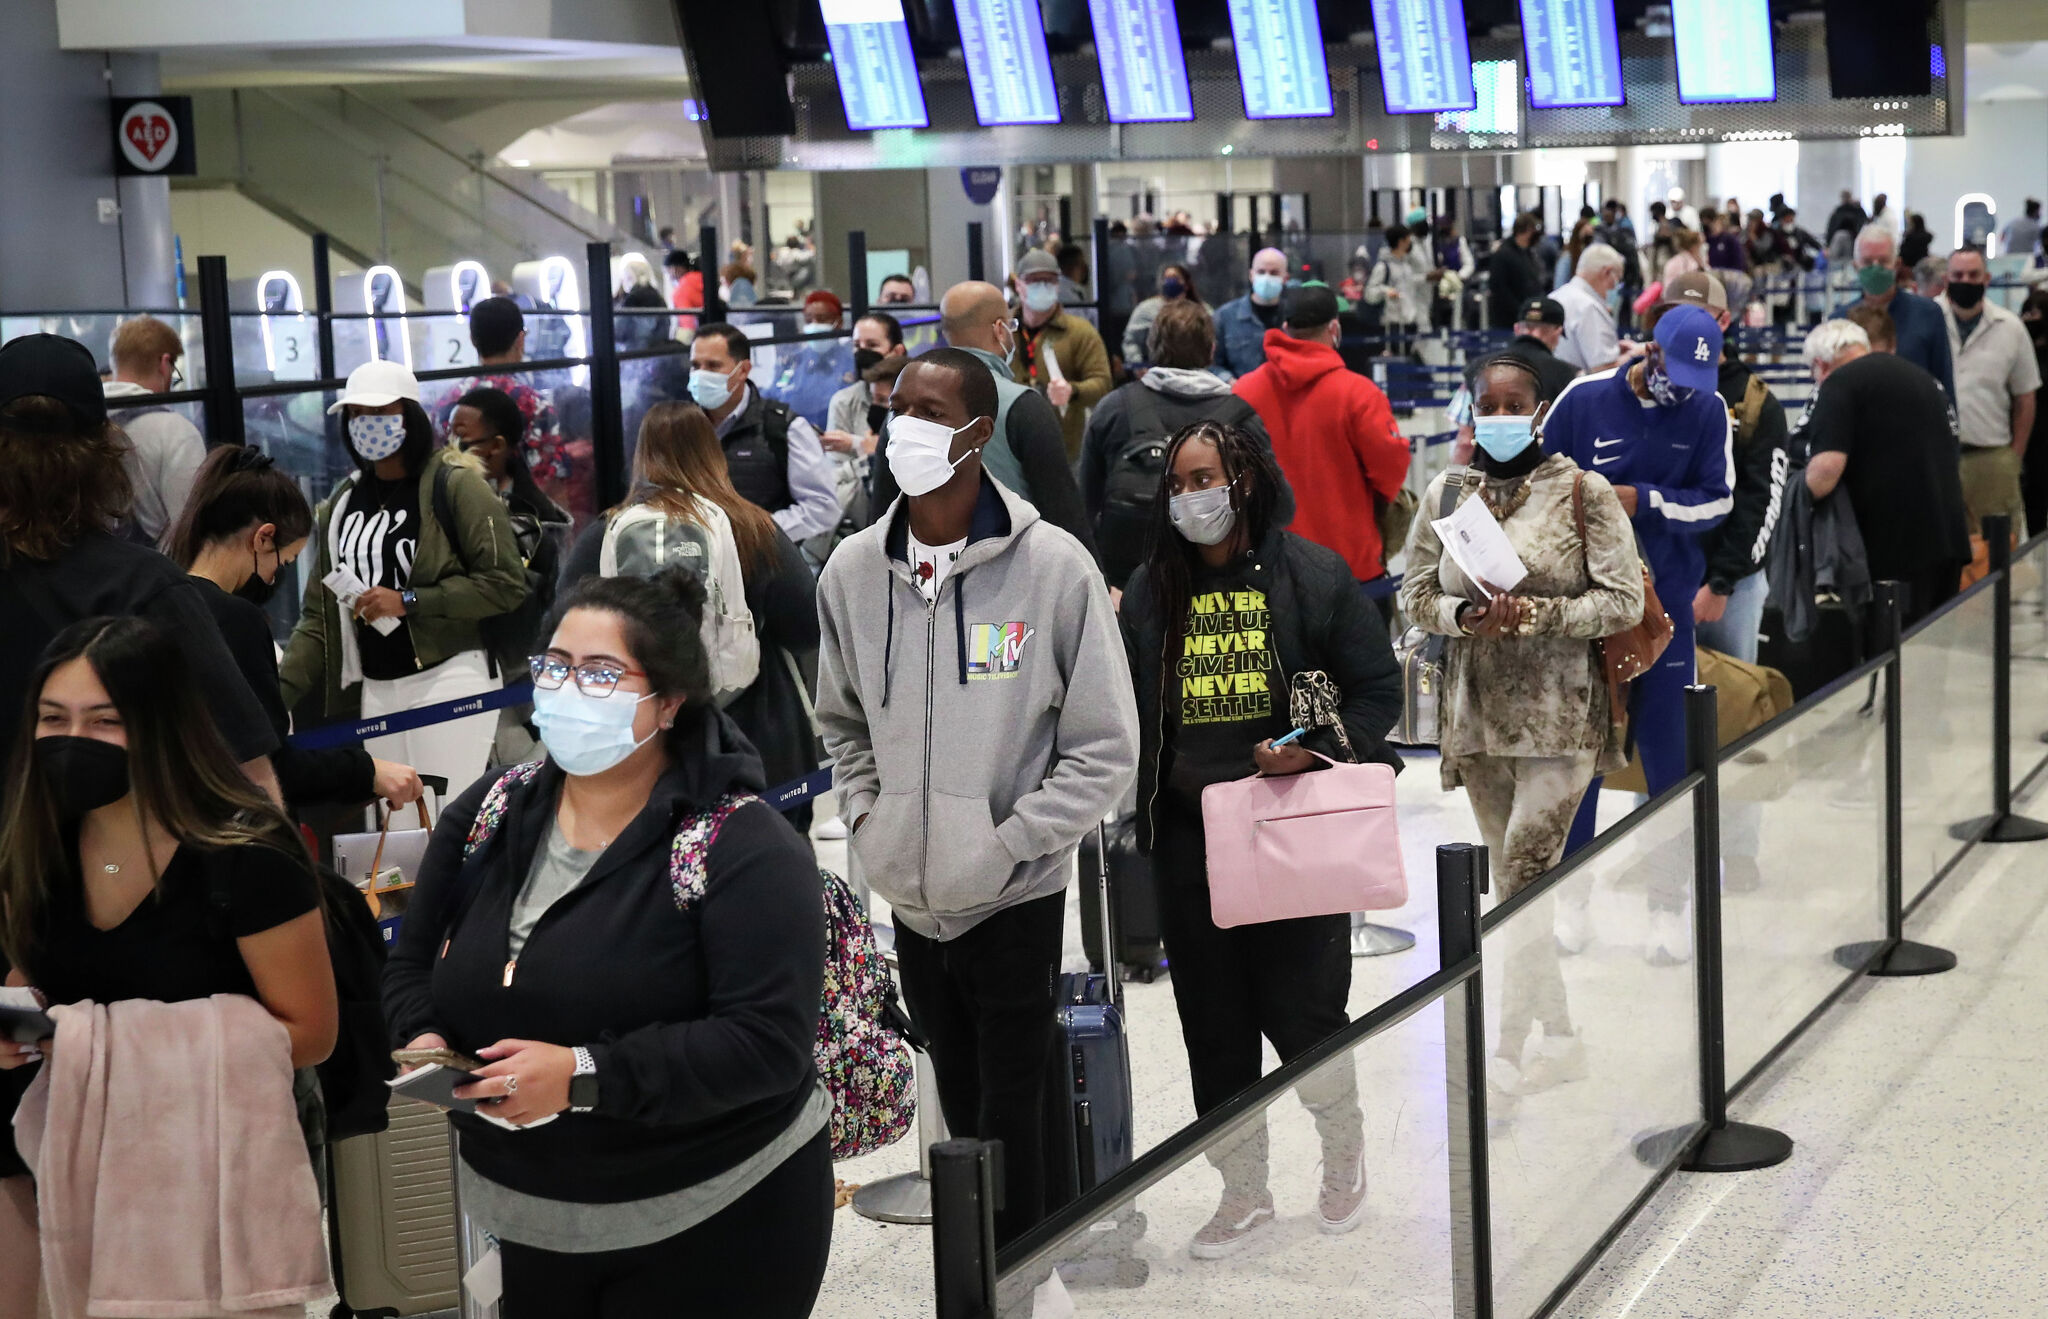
<point>1170,559</point>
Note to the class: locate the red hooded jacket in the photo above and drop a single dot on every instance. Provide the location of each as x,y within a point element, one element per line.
<point>1337,443</point>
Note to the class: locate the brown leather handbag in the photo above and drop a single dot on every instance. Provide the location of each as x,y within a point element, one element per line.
<point>1628,654</point>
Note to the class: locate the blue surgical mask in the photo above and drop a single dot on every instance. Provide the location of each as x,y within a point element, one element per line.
<point>376,436</point>
<point>587,734</point>
<point>1614,300</point>
<point>1503,437</point>
<point>1041,296</point>
<point>710,389</point>
<point>818,327</point>
<point>1171,287</point>
<point>1266,288</point>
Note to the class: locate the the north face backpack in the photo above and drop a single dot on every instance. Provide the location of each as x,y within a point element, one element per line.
<point>645,538</point>
<point>861,1052</point>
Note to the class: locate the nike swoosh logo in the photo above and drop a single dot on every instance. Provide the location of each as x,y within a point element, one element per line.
<point>1605,444</point>
<point>1602,462</point>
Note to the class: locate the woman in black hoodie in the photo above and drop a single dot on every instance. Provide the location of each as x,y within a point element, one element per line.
<point>634,946</point>
<point>1227,593</point>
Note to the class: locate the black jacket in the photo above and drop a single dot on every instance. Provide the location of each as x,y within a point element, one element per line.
<point>1109,430</point>
<point>1321,621</point>
<point>1512,278</point>
<point>701,1019</point>
<point>1739,546</point>
<point>784,602</point>
<point>757,452</point>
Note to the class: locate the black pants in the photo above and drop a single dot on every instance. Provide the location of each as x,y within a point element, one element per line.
<point>1285,981</point>
<point>984,1002</point>
<point>762,1256</point>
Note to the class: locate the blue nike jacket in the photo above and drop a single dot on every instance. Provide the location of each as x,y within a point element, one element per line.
<point>1679,459</point>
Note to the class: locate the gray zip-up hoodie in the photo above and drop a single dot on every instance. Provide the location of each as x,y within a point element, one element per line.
<point>984,734</point>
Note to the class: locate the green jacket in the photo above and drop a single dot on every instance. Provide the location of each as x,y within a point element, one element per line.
<point>456,588</point>
<point>1083,361</point>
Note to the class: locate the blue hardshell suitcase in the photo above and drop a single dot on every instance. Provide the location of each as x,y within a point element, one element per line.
<point>1092,1071</point>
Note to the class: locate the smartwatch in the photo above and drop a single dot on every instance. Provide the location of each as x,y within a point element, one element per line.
<point>583,1083</point>
<point>408,597</point>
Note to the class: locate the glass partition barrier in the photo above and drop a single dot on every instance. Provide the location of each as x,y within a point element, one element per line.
<point>95,329</point>
<point>1385,1096</point>
<point>1947,732</point>
<point>2029,660</point>
<point>1581,1126</point>
<point>1802,852</point>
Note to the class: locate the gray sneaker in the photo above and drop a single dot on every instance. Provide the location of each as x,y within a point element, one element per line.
<point>1231,1229</point>
<point>1341,1204</point>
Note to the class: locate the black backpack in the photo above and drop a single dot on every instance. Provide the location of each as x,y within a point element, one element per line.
<point>1137,471</point>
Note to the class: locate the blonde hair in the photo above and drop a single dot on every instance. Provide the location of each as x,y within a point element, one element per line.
<point>140,342</point>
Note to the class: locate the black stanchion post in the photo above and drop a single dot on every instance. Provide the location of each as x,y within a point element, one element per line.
<point>857,270</point>
<point>2001,826</point>
<point>1461,876</point>
<point>607,401</point>
<point>217,346</point>
<point>707,265</point>
<point>1896,955</point>
<point>964,1228</point>
<point>1726,1146</point>
<point>1098,260</point>
<point>977,260</point>
<point>323,304</point>
<point>1066,219</point>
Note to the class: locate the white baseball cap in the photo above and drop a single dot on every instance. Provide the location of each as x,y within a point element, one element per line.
<point>373,384</point>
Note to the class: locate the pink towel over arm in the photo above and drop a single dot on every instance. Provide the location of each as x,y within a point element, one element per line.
<point>172,1181</point>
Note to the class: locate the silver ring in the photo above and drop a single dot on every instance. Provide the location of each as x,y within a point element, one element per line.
<point>511,1085</point>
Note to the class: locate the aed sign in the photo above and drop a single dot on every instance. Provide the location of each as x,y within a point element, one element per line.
<point>153,135</point>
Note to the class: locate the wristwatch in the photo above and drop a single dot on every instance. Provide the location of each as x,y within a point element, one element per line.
<point>408,597</point>
<point>583,1083</point>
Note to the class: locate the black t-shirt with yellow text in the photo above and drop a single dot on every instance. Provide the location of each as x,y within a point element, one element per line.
<point>1232,694</point>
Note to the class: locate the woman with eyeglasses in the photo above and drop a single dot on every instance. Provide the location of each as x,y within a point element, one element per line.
<point>633,946</point>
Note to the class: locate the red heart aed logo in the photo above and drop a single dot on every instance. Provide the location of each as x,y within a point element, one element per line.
<point>150,134</point>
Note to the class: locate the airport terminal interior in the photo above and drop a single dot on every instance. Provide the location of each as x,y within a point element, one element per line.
<point>619,469</point>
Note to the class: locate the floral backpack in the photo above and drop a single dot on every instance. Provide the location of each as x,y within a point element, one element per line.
<point>861,1051</point>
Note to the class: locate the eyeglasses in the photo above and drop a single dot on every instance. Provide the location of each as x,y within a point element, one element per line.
<point>177,377</point>
<point>595,679</point>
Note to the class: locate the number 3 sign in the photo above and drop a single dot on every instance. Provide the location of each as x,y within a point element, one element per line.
<point>153,135</point>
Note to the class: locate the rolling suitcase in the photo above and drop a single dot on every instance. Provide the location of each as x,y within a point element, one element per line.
<point>1140,949</point>
<point>1091,1084</point>
<point>393,1216</point>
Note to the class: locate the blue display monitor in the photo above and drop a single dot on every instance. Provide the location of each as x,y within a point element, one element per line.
<point>1144,77</point>
<point>1425,63</point>
<point>872,60</point>
<point>1280,61</point>
<point>1007,66</point>
<point>1574,53</point>
<point>1724,51</point>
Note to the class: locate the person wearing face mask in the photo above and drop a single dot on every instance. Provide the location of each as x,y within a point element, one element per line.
<point>430,553</point>
<point>775,457</point>
<point>1399,286</point>
<point>2034,467</point>
<point>633,944</point>
<point>1027,453</point>
<point>809,374</point>
<point>1591,299</point>
<point>137,863</point>
<point>1997,378</point>
<point>854,418</point>
<point>1223,577</point>
<point>1047,336</point>
<point>1241,323</point>
<point>1524,709</point>
<point>1922,329</point>
<point>241,531</point>
<point>972,694</point>
<point>1658,432</point>
<point>1176,284</point>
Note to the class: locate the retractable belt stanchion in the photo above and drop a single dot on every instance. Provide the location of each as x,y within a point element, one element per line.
<point>1726,1146</point>
<point>1461,876</point>
<point>2001,826</point>
<point>965,1195</point>
<point>1896,955</point>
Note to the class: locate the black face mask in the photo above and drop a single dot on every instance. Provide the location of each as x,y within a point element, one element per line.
<point>84,773</point>
<point>257,591</point>
<point>1965,296</point>
<point>877,414</point>
<point>863,358</point>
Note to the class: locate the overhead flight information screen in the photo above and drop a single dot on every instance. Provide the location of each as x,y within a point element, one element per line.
<point>1574,53</point>
<point>1144,77</point>
<point>1280,62</point>
<point>1425,63</point>
<point>1007,66</point>
<point>872,60</point>
<point>1724,51</point>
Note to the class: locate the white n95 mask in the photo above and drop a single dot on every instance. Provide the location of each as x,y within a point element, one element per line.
<point>918,452</point>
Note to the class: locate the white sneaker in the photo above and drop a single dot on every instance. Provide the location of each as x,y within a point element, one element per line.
<point>1670,941</point>
<point>1503,1092</point>
<point>831,831</point>
<point>1574,923</point>
<point>1049,1300</point>
<point>1557,1059</point>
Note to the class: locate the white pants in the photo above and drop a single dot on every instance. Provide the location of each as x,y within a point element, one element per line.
<point>458,750</point>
